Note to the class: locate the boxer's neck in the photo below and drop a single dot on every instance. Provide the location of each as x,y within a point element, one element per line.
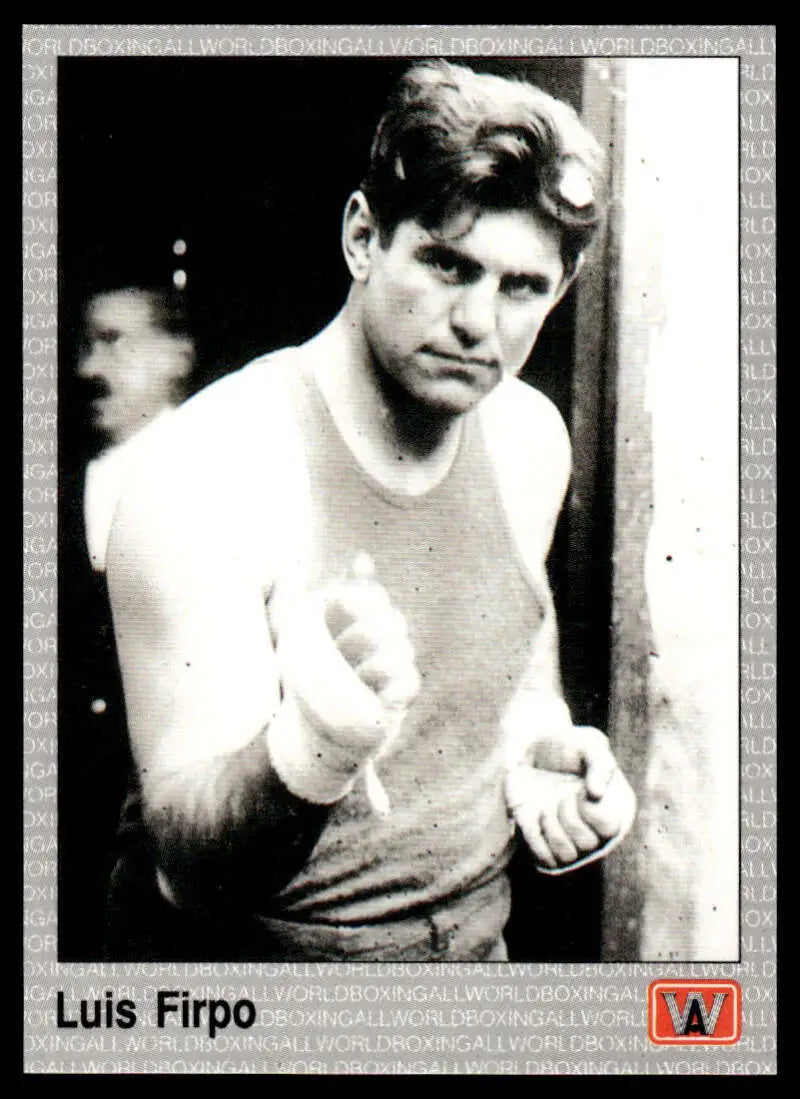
<point>404,445</point>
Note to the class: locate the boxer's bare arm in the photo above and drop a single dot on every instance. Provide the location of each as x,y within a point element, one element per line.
<point>201,684</point>
<point>530,448</point>
<point>241,746</point>
<point>564,821</point>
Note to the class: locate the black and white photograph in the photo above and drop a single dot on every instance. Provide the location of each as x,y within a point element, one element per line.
<point>398,522</point>
<point>399,469</point>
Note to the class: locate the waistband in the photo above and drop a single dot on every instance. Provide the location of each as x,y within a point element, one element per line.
<point>467,927</point>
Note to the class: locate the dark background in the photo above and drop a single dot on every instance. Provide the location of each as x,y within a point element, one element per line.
<point>250,162</point>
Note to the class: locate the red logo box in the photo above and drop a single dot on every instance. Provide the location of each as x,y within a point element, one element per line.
<point>694,1013</point>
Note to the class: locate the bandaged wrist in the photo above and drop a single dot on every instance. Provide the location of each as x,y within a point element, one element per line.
<point>310,764</point>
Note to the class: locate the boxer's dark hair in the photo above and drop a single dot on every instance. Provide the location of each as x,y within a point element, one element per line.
<point>452,139</point>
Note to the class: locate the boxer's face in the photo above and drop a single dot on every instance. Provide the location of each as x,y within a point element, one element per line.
<point>449,312</point>
<point>135,362</point>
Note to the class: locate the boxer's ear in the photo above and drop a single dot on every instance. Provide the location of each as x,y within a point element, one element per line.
<point>359,236</point>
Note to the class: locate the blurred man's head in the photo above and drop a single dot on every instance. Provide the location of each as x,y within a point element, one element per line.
<point>139,354</point>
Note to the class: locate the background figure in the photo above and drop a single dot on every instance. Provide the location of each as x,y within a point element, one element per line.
<point>139,356</point>
<point>133,361</point>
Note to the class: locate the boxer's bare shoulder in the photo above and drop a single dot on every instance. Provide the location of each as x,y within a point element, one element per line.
<point>218,481</point>
<point>530,448</point>
<point>241,418</point>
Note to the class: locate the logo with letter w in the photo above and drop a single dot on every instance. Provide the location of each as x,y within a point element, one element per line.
<point>693,1012</point>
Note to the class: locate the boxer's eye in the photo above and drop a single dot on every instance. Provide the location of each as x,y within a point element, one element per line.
<point>449,266</point>
<point>523,287</point>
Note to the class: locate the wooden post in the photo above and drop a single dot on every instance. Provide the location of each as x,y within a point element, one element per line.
<point>671,410</point>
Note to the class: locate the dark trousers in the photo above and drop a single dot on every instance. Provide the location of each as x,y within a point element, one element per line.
<point>143,926</point>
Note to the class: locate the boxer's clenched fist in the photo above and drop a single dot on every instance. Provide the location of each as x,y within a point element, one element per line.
<point>563,786</point>
<point>348,675</point>
<point>562,825</point>
<point>372,636</point>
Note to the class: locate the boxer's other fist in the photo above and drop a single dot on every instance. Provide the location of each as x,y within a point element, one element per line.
<point>607,804</point>
<point>563,827</point>
<point>563,786</point>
